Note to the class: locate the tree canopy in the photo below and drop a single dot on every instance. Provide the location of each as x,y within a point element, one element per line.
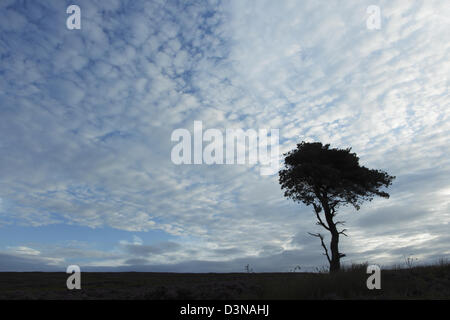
<point>314,172</point>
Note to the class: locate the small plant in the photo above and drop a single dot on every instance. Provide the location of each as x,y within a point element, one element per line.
<point>442,262</point>
<point>356,267</point>
<point>410,261</point>
<point>322,269</point>
<point>297,267</point>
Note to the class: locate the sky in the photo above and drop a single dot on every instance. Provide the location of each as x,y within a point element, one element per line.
<point>86,118</point>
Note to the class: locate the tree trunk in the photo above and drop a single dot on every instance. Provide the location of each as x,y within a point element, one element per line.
<point>335,263</point>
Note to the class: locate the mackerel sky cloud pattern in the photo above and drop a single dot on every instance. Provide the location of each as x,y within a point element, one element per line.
<point>86,118</point>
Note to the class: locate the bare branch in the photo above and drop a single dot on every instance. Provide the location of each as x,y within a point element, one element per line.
<point>318,235</point>
<point>317,210</point>
<point>334,203</point>
<point>333,211</point>
<point>343,232</point>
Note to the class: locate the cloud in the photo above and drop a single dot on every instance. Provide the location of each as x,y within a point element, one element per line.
<point>24,251</point>
<point>146,250</point>
<point>18,263</point>
<point>86,118</point>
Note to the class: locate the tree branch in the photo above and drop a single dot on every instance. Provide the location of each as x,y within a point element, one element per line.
<point>333,211</point>
<point>317,210</point>
<point>318,235</point>
<point>333,205</point>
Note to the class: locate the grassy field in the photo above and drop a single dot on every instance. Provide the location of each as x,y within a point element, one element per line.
<point>420,282</point>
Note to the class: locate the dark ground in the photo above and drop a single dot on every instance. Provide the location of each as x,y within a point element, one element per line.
<point>429,282</point>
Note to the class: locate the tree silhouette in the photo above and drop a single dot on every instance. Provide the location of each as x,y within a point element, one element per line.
<point>327,178</point>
